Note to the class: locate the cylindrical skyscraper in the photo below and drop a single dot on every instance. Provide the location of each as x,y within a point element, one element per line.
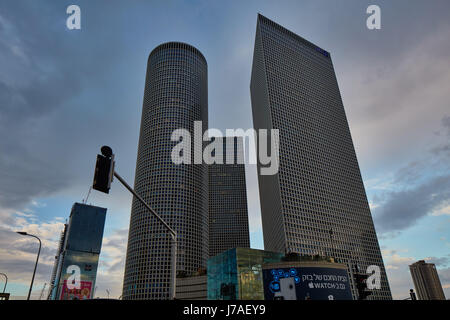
<point>176,95</point>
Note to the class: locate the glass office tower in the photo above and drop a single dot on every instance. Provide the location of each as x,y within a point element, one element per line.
<point>228,214</point>
<point>316,203</point>
<point>176,95</point>
<point>80,246</point>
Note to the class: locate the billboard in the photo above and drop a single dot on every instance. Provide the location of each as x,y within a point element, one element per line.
<point>86,264</point>
<point>306,283</point>
<point>83,293</point>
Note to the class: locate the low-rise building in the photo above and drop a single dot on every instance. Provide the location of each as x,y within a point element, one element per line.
<point>192,288</point>
<point>250,274</point>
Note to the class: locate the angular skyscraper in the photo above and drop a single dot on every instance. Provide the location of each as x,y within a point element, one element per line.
<point>228,213</point>
<point>316,203</point>
<point>176,95</point>
<point>80,245</point>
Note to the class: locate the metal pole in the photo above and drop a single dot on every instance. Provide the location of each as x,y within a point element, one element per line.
<point>171,231</point>
<point>35,266</point>
<point>6,277</point>
<point>144,203</point>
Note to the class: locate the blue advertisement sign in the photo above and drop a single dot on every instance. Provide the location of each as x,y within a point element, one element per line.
<point>306,283</point>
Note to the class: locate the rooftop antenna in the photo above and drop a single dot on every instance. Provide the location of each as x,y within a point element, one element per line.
<point>87,197</point>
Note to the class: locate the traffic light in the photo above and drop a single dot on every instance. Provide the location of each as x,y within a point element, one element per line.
<point>104,170</point>
<point>361,285</point>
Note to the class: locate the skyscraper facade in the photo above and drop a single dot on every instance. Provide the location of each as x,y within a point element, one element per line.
<point>79,247</point>
<point>426,281</point>
<point>228,214</point>
<point>316,203</point>
<point>176,95</point>
<point>58,256</point>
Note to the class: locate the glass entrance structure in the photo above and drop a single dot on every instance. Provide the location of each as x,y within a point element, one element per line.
<point>237,274</point>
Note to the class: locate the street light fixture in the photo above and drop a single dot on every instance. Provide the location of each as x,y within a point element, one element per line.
<point>37,259</point>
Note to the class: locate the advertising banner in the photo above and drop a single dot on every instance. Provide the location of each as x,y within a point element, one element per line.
<point>306,283</point>
<point>83,293</point>
<point>82,265</point>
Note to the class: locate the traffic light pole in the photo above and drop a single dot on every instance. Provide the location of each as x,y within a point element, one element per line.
<point>171,231</point>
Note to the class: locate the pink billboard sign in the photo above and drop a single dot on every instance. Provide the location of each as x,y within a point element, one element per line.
<point>83,293</point>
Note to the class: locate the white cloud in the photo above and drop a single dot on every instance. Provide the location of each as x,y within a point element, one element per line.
<point>112,264</point>
<point>397,269</point>
<point>18,253</point>
<point>442,210</point>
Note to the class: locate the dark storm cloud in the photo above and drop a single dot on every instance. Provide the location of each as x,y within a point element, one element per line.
<point>24,175</point>
<point>437,157</point>
<point>23,268</point>
<point>43,94</point>
<point>46,69</point>
<point>403,209</point>
<point>446,124</point>
<point>42,81</point>
<point>410,173</point>
<point>444,148</point>
<point>442,152</point>
<point>38,52</point>
<point>47,254</point>
<point>11,241</point>
<point>439,261</point>
<point>424,186</point>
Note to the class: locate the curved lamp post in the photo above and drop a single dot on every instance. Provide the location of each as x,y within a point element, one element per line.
<point>6,277</point>
<point>37,259</point>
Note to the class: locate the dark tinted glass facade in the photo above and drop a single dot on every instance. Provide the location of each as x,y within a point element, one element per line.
<point>80,246</point>
<point>175,96</point>
<point>318,187</point>
<point>85,229</point>
<point>228,214</point>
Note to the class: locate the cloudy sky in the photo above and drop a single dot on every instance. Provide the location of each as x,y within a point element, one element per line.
<point>64,93</point>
